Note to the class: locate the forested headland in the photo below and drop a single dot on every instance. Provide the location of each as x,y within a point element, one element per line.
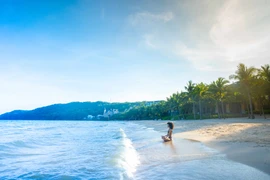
<point>247,94</point>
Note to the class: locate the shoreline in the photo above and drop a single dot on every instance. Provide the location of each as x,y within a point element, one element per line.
<point>243,140</point>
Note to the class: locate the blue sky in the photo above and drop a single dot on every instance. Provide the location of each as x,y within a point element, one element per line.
<point>117,51</point>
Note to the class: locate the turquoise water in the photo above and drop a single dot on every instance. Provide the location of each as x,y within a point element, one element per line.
<point>107,150</point>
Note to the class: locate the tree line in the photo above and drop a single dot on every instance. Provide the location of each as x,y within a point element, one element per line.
<point>247,94</point>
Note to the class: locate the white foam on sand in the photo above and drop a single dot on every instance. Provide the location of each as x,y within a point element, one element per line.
<point>128,158</point>
<point>187,159</point>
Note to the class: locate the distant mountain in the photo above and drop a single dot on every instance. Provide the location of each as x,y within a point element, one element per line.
<point>69,111</point>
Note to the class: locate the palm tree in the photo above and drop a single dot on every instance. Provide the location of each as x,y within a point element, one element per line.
<point>173,102</point>
<point>245,77</point>
<point>170,104</point>
<point>191,95</point>
<point>218,90</point>
<point>260,93</point>
<point>182,102</point>
<point>263,85</point>
<point>200,91</point>
<point>264,72</point>
<point>213,93</point>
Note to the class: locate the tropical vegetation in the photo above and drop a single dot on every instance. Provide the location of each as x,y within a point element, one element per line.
<point>246,95</point>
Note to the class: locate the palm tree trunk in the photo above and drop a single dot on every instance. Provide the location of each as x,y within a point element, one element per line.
<point>250,105</point>
<point>179,112</point>
<point>248,109</point>
<point>262,110</point>
<point>217,109</point>
<point>200,104</point>
<point>194,113</point>
<point>222,106</point>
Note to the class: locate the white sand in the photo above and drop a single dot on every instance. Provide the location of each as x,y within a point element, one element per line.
<point>242,140</point>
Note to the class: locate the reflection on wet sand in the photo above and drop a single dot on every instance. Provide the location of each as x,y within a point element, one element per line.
<point>171,145</point>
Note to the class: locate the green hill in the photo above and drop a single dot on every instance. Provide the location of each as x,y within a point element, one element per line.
<point>69,111</point>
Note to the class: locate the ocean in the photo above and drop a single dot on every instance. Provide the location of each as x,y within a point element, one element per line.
<point>108,150</point>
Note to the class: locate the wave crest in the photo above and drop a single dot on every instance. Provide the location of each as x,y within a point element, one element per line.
<point>128,158</point>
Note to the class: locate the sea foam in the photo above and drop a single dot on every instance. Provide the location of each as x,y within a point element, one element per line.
<point>128,158</point>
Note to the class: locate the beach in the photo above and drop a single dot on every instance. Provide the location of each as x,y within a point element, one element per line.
<point>242,140</point>
<point>134,150</point>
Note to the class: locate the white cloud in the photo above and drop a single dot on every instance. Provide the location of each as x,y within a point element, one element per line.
<point>242,29</point>
<point>217,38</point>
<point>146,17</point>
<point>203,58</point>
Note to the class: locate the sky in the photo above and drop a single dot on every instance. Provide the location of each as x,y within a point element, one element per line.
<point>118,51</point>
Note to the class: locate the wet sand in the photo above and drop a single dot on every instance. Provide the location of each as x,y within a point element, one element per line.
<point>242,140</point>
